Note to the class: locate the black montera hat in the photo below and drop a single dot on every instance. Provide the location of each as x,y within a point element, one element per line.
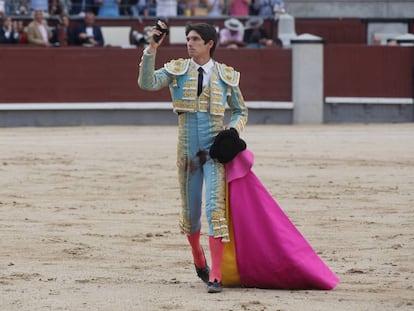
<point>227,145</point>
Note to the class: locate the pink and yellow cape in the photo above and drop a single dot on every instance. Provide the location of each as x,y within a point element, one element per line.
<point>265,250</point>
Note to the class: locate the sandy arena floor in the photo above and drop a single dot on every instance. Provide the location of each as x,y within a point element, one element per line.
<point>89,218</point>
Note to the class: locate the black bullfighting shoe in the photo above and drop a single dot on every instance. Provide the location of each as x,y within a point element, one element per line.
<point>214,287</point>
<point>203,273</point>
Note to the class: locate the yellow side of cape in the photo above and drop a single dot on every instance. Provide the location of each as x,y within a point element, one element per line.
<point>229,273</point>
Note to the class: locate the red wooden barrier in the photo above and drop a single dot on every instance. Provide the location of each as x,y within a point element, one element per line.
<point>334,30</point>
<point>368,71</point>
<point>77,74</point>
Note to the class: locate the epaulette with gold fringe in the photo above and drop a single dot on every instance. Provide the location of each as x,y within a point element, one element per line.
<point>177,66</point>
<point>229,75</point>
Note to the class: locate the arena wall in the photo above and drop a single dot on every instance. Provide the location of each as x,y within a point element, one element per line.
<point>78,85</point>
<point>351,8</point>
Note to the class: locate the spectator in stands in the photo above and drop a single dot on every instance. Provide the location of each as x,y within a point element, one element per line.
<point>23,36</point>
<point>89,34</point>
<point>17,7</point>
<point>255,35</point>
<point>392,42</point>
<point>166,8</point>
<point>59,7</point>
<point>376,40</point>
<point>186,7</point>
<point>231,36</point>
<point>142,8</point>
<point>80,7</point>
<point>38,31</point>
<point>63,34</point>
<point>8,31</point>
<point>138,39</point>
<point>252,8</point>
<point>54,8</point>
<point>108,7</point>
<point>125,7</point>
<point>268,8</point>
<point>65,6</point>
<point>215,8</point>
<point>239,7</point>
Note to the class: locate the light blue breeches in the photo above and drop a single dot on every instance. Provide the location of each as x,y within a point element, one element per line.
<point>196,135</point>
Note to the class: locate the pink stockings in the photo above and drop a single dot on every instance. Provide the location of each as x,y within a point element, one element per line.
<point>216,251</point>
<point>198,254</point>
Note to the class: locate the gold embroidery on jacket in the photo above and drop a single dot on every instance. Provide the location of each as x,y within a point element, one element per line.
<point>211,99</point>
<point>228,74</point>
<point>177,66</point>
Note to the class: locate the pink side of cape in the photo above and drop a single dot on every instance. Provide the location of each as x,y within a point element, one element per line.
<point>270,251</point>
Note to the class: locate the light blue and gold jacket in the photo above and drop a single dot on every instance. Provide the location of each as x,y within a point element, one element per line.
<point>181,76</point>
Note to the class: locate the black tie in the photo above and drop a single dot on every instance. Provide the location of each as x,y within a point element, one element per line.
<point>200,81</point>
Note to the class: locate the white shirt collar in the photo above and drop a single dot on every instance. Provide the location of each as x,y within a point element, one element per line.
<point>207,67</point>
